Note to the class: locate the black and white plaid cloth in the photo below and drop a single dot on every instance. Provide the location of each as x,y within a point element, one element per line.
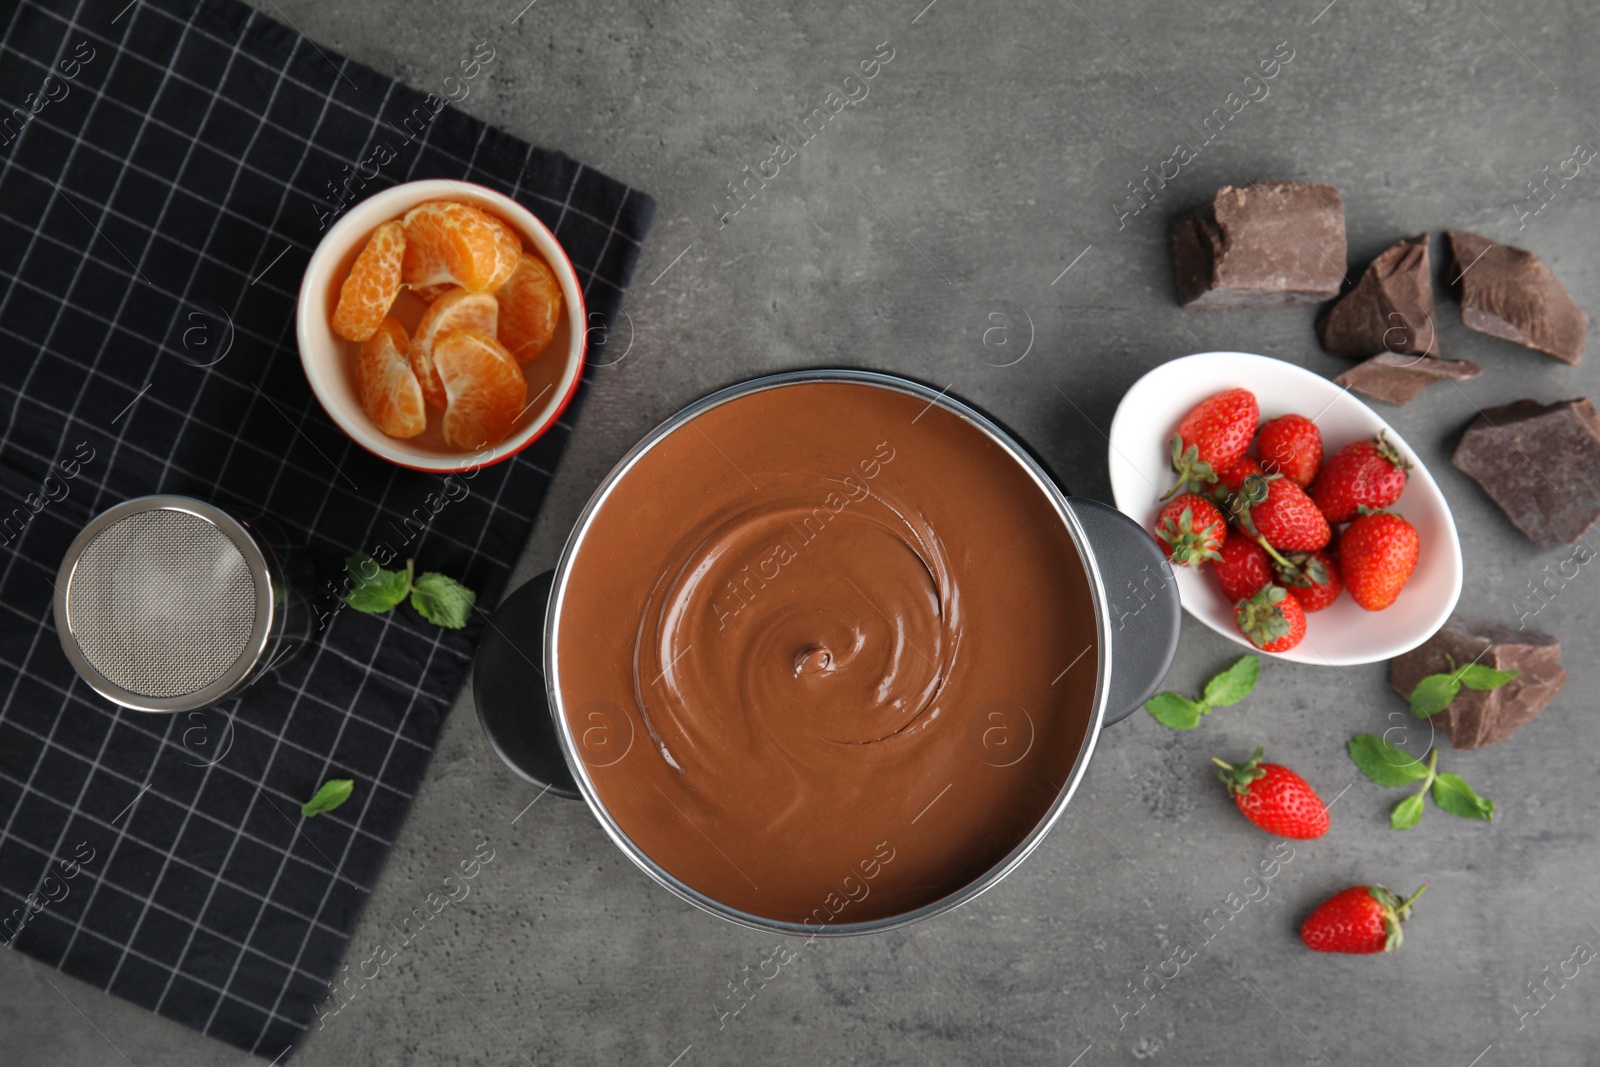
<point>166,167</point>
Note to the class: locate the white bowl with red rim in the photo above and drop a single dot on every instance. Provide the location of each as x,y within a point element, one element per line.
<point>1344,633</point>
<point>329,360</point>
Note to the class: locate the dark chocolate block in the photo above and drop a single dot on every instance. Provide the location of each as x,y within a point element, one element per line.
<point>1398,379</point>
<point>1540,463</point>
<point>1478,717</point>
<point>1267,244</point>
<point>1389,310</point>
<point>1509,293</point>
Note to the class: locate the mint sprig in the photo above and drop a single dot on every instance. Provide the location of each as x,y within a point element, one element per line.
<point>1435,692</point>
<point>1391,766</point>
<point>441,600</point>
<point>1229,687</point>
<point>334,791</point>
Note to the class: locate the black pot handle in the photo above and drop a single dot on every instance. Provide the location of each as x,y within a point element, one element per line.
<point>1142,604</point>
<point>509,691</point>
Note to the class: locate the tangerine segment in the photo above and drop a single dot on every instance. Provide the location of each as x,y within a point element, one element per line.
<point>457,309</point>
<point>389,391</point>
<point>530,304</point>
<point>373,284</point>
<point>456,243</point>
<point>486,389</point>
<point>510,246</point>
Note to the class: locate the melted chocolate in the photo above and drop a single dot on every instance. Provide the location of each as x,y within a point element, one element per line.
<point>827,652</point>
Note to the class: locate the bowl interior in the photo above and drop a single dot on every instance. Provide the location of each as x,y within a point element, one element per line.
<point>1344,633</point>
<point>329,359</point>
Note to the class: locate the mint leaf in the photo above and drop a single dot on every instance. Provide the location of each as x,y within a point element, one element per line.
<point>1233,684</point>
<point>334,791</point>
<point>1407,813</point>
<point>1433,694</point>
<point>1178,712</point>
<point>1383,763</point>
<point>1477,676</point>
<point>1453,794</point>
<point>442,601</point>
<point>372,588</point>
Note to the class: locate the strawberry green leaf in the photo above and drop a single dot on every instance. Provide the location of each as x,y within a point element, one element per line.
<point>1433,694</point>
<point>1233,684</point>
<point>334,791</point>
<point>442,601</point>
<point>1383,763</point>
<point>372,588</point>
<point>1477,676</point>
<point>1176,711</point>
<point>1453,794</point>
<point>1406,814</point>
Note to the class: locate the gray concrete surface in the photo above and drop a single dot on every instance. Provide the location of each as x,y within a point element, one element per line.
<point>988,158</point>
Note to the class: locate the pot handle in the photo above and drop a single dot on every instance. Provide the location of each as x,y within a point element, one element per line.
<point>1142,609</point>
<point>509,692</point>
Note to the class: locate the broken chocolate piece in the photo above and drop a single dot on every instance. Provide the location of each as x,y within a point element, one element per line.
<point>1397,379</point>
<point>1509,293</point>
<point>1267,244</point>
<point>1477,717</point>
<point>1389,310</point>
<point>1540,463</point>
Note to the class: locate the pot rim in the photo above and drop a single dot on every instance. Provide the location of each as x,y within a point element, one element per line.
<point>579,769</point>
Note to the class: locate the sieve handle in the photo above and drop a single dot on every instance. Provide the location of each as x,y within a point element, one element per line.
<point>509,691</point>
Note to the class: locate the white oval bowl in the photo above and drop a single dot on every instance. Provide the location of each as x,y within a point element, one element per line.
<point>1343,634</point>
<point>329,360</point>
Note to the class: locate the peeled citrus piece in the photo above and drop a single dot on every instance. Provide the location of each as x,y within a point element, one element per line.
<point>455,243</point>
<point>429,293</point>
<point>530,304</point>
<point>373,284</point>
<point>389,391</point>
<point>485,387</point>
<point>457,309</point>
<point>510,239</point>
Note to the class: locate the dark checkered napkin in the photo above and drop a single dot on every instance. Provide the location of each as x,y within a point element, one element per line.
<point>166,168</point>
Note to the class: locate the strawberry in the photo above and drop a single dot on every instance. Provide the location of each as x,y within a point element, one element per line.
<point>1291,445</point>
<point>1191,529</point>
<point>1231,478</point>
<point>1362,919</point>
<point>1275,798</point>
<point>1214,434</point>
<point>1242,568</point>
<point>1377,553</point>
<point>1314,580</point>
<point>1273,620</point>
<point>1280,511</point>
<point>1365,474</point>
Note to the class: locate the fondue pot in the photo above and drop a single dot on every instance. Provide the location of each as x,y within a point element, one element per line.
<point>681,766</point>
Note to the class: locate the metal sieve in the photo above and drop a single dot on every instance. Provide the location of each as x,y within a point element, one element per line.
<point>167,603</point>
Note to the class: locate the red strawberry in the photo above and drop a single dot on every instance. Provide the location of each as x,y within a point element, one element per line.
<point>1275,798</point>
<point>1377,553</point>
<point>1362,919</point>
<point>1314,580</point>
<point>1281,512</point>
<point>1273,620</point>
<point>1366,474</point>
<point>1242,568</point>
<point>1191,529</point>
<point>1292,446</point>
<point>1214,434</point>
<point>1233,475</point>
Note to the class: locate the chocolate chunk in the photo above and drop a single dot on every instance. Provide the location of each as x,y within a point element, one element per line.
<point>1267,244</point>
<point>1398,379</point>
<point>1389,310</point>
<point>1478,717</point>
<point>1509,293</point>
<point>1540,463</point>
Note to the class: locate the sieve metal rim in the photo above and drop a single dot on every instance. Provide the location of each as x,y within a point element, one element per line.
<point>260,573</point>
